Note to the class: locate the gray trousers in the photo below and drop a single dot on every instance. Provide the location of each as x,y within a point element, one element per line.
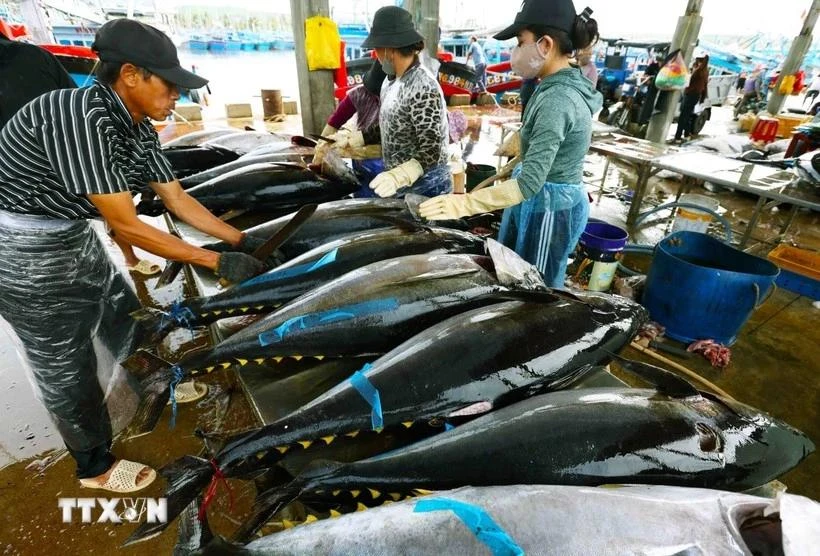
<point>61,295</point>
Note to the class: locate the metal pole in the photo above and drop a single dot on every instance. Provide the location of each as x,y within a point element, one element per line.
<point>315,87</point>
<point>686,35</point>
<point>36,21</point>
<point>794,60</point>
<point>428,25</point>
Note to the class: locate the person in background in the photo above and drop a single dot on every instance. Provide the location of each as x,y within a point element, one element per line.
<point>70,156</point>
<point>546,205</point>
<point>476,55</point>
<point>27,72</point>
<point>648,81</point>
<point>813,90</point>
<point>363,101</point>
<point>587,65</point>
<point>751,91</point>
<point>413,113</point>
<point>741,81</point>
<point>694,93</point>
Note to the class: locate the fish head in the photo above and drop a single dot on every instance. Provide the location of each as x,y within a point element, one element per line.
<point>756,445</point>
<point>604,304</point>
<point>334,168</point>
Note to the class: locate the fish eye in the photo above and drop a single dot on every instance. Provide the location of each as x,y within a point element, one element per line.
<point>708,438</point>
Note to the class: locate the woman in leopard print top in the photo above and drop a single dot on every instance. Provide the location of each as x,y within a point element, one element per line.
<point>413,115</point>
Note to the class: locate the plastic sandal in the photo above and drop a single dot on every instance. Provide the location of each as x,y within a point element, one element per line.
<point>123,478</point>
<point>190,391</point>
<point>146,268</point>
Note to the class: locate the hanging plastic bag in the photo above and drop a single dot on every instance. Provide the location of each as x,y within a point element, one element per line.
<point>322,43</point>
<point>674,74</point>
<point>787,85</point>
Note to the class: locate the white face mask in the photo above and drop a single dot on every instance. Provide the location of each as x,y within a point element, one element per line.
<point>387,65</point>
<point>527,60</point>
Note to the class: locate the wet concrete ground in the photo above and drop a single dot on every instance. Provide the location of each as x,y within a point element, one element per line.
<point>774,368</point>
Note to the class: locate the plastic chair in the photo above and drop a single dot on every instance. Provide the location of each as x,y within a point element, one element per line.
<point>765,130</point>
<point>801,143</point>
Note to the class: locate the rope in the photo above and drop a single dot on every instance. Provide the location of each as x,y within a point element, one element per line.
<point>210,493</point>
<point>178,376</point>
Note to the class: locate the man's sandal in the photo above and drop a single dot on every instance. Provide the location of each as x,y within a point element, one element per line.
<point>123,478</point>
<point>190,391</point>
<point>146,268</point>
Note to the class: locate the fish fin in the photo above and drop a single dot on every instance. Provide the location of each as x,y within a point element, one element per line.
<point>193,533</point>
<point>401,223</point>
<point>169,274</point>
<point>475,409</point>
<point>155,323</point>
<point>219,546</point>
<point>523,295</point>
<point>186,478</point>
<point>541,386</point>
<point>264,508</point>
<point>156,389</point>
<point>413,200</point>
<point>666,382</point>
<point>513,271</point>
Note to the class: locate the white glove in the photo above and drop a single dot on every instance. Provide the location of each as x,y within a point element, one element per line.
<point>328,130</point>
<point>347,138</point>
<point>449,207</point>
<point>389,182</point>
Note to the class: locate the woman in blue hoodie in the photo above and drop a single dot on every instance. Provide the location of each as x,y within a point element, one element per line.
<point>545,201</point>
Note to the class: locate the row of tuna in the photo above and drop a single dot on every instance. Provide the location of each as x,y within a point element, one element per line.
<point>409,359</point>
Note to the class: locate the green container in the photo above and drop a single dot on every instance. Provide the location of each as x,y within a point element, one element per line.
<point>477,173</point>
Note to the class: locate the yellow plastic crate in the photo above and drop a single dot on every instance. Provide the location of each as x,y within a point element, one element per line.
<point>799,261</point>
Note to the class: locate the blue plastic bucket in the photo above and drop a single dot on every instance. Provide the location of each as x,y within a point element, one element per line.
<point>700,288</point>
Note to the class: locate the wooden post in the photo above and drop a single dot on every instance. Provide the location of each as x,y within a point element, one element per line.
<point>36,21</point>
<point>794,59</point>
<point>428,26</point>
<point>686,35</point>
<point>315,87</point>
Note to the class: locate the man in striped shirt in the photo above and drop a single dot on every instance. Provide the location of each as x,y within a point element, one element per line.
<point>73,155</point>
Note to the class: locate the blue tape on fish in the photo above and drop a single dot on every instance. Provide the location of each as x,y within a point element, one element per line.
<point>312,320</point>
<point>371,395</point>
<point>297,270</point>
<point>478,521</point>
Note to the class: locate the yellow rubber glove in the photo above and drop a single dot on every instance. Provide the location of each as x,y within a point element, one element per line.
<point>389,182</point>
<point>347,138</point>
<point>328,131</point>
<point>449,207</point>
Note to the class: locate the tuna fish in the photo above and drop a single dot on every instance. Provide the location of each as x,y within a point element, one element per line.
<point>271,187</point>
<point>292,155</point>
<point>190,160</point>
<point>243,142</point>
<point>314,268</point>
<point>446,372</point>
<point>560,520</point>
<point>367,311</point>
<point>197,137</point>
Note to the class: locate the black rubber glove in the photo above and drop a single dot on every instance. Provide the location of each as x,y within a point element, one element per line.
<point>238,267</point>
<point>248,244</point>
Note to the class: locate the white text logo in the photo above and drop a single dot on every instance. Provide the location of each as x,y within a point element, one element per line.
<point>114,510</point>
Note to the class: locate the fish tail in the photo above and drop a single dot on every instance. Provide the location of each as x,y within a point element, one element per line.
<point>264,508</point>
<point>156,390</point>
<point>155,322</point>
<point>187,477</point>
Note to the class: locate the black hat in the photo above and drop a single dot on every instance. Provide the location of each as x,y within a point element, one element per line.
<point>392,28</point>
<point>559,14</point>
<point>374,77</point>
<point>127,40</point>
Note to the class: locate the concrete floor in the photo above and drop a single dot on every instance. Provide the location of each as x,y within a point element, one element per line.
<point>774,368</point>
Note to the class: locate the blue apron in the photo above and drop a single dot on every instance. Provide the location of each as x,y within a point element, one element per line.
<point>545,228</point>
<point>436,181</point>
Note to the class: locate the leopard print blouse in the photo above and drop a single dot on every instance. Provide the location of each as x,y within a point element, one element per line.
<point>413,120</point>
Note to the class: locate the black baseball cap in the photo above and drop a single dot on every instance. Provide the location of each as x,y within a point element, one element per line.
<point>559,14</point>
<point>126,40</point>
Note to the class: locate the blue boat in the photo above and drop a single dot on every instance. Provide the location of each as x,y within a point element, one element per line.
<point>282,42</point>
<point>233,42</point>
<point>197,42</point>
<point>217,44</point>
<point>353,36</point>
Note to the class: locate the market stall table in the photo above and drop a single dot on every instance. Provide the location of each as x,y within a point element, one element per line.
<point>637,153</point>
<point>772,186</point>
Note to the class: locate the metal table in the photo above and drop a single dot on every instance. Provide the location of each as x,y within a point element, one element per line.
<point>637,153</point>
<point>772,186</point>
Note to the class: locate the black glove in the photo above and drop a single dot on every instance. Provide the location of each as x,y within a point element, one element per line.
<point>238,267</point>
<point>248,244</point>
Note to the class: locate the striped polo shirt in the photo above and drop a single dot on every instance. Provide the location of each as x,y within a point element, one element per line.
<point>70,143</point>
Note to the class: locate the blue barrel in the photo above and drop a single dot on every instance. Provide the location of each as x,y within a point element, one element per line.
<point>700,288</point>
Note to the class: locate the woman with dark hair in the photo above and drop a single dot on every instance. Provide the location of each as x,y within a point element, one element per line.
<point>546,203</point>
<point>694,93</point>
<point>413,114</point>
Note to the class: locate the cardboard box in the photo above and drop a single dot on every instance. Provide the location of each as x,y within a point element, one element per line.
<point>242,110</point>
<point>460,100</point>
<point>290,107</point>
<point>190,111</point>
